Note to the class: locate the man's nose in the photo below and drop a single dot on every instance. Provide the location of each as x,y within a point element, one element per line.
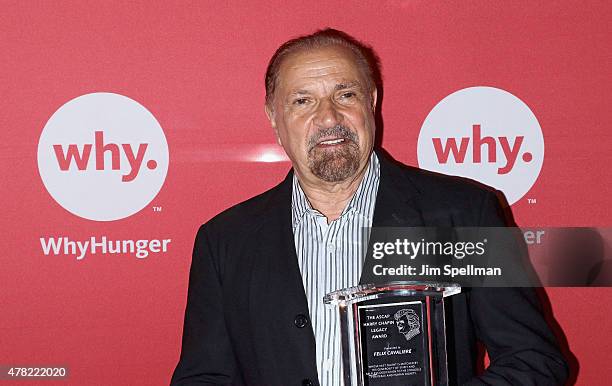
<point>327,114</point>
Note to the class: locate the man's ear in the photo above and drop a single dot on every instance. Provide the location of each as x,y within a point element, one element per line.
<point>272,118</point>
<point>374,96</point>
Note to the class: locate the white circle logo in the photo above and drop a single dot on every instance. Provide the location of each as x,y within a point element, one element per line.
<point>486,134</point>
<point>103,156</point>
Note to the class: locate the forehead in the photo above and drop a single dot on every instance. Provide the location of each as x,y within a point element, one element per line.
<point>310,66</point>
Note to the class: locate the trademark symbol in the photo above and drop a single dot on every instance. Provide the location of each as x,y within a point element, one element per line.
<point>532,201</point>
<point>157,209</point>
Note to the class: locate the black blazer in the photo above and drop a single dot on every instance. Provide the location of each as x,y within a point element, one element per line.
<point>246,321</point>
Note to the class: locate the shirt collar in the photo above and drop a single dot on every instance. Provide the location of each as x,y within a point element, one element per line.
<point>362,201</point>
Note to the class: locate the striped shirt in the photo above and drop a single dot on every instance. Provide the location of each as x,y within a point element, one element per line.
<point>330,257</point>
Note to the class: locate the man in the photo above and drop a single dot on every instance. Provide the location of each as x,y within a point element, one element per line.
<point>407,323</point>
<point>260,269</point>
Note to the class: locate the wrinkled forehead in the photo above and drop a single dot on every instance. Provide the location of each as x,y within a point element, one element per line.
<point>332,64</point>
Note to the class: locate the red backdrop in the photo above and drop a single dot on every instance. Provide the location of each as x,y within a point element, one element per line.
<point>198,67</point>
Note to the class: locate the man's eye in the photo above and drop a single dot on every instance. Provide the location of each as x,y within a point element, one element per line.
<point>348,95</point>
<point>300,101</point>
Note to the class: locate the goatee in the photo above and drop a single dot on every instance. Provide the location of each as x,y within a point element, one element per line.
<point>337,163</point>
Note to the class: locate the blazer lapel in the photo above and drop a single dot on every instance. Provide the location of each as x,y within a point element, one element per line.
<point>397,198</point>
<point>277,294</point>
<point>397,205</point>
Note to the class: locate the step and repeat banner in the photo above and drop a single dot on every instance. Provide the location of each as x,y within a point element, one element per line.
<point>126,125</point>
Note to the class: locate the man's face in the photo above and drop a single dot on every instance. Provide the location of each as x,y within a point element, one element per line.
<point>323,114</point>
<point>402,325</point>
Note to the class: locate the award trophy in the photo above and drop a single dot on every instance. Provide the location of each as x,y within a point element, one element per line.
<point>394,333</point>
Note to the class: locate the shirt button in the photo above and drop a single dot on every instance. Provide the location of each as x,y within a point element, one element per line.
<point>307,382</point>
<point>331,246</point>
<point>300,321</point>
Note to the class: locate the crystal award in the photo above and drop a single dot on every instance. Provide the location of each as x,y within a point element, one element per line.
<point>394,333</point>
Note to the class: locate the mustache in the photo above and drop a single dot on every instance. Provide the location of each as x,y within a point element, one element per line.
<point>338,131</point>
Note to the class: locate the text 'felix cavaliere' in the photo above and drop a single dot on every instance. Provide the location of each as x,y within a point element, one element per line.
<point>79,248</point>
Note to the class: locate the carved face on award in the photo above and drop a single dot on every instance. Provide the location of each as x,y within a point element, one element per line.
<point>393,334</point>
<point>407,323</point>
